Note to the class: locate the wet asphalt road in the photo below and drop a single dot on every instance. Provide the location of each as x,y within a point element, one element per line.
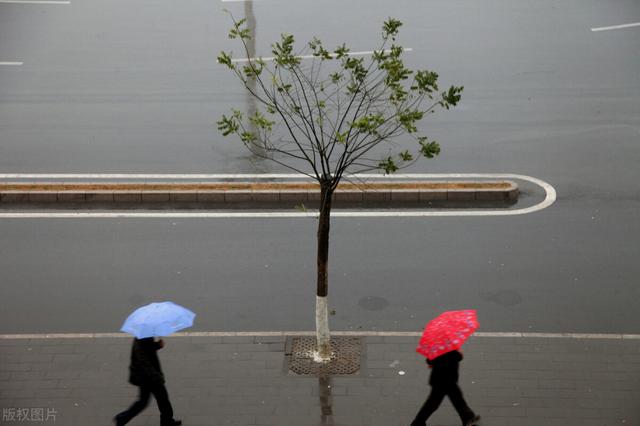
<point>559,270</point>
<point>115,86</point>
<point>133,87</point>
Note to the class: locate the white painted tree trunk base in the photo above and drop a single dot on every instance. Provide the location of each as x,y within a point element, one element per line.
<point>323,337</point>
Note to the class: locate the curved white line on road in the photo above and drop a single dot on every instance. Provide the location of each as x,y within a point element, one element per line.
<point>549,199</point>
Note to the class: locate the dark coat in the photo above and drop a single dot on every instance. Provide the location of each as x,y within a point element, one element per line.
<point>445,369</point>
<point>144,369</point>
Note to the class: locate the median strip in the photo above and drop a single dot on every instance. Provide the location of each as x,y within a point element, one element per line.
<point>256,193</point>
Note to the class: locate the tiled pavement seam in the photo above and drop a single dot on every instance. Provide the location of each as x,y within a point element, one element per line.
<point>243,381</point>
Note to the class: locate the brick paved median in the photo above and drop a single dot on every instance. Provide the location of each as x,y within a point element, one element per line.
<point>243,381</point>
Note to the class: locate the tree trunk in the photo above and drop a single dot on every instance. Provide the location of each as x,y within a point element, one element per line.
<point>322,312</point>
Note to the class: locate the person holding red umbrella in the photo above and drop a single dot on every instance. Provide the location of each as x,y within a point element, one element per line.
<point>440,343</point>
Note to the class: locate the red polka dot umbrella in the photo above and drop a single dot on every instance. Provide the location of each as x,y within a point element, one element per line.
<point>447,333</point>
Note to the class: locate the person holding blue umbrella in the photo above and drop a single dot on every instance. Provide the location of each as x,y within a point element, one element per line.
<point>145,323</point>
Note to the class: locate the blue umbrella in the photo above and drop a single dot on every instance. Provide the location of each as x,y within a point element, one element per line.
<point>158,319</point>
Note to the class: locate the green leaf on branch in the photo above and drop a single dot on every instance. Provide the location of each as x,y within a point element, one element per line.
<point>225,59</point>
<point>261,121</point>
<point>284,88</point>
<point>395,52</point>
<point>252,71</point>
<point>229,125</point>
<point>368,123</point>
<point>388,165</point>
<point>248,137</point>
<point>341,52</point>
<point>451,97</point>
<point>237,32</point>
<point>283,51</point>
<point>405,156</point>
<point>428,149</point>
<point>426,82</point>
<point>390,28</point>
<point>408,118</point>
<point>379,56</point>
<point>356,68</point>
<point>318,49</point>
<point>398,95</point>
<point>396,71</point>
<point>341,137</point>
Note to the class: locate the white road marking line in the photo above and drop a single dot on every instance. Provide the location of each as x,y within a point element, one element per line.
<point>12,64</point>
<point>525,335</point>
<point>616,27</point>
<point>549,199</point>
<point>271,58</point>
<point>36,1</point>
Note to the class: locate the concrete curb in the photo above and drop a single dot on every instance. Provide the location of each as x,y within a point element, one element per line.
<point>426,192</point>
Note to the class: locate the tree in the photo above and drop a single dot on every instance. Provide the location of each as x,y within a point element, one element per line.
<point>327,114</point>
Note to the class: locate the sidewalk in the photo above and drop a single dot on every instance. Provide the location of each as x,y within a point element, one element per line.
<point>244,381</point>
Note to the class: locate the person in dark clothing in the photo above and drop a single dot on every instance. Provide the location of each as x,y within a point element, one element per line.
<point>444,382</point>
<point>145,372</point>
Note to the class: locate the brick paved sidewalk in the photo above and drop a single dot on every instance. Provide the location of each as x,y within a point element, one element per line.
<point>244,381</point>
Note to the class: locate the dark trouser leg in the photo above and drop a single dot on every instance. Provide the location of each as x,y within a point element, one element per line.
<point>430,406</point>
<point>162,398</point>
<point>135,409</point>
<point>455,395</point>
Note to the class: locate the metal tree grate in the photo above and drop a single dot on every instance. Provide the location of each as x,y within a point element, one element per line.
<point>345,357</point>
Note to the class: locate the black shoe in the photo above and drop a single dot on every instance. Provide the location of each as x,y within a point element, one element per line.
<point>118,421</point>
<point>473,421</point>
